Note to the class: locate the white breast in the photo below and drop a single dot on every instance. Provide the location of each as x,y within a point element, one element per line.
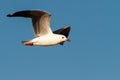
<point>47,40</point>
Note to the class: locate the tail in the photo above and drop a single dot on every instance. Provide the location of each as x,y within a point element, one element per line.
<point>27,43</point>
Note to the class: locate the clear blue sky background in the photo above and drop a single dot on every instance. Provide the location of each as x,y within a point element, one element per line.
<point>93,54</point>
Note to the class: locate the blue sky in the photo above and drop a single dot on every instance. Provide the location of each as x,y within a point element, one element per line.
<point>92,54</point>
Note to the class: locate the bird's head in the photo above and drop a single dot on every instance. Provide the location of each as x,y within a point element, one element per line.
<point>64,38</point>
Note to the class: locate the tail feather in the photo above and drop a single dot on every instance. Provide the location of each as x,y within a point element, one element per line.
<point>24,41</point>
<point>27,43</point>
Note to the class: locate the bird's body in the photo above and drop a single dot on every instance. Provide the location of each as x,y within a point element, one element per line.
<point>41,25</point>
<point>47,40</point>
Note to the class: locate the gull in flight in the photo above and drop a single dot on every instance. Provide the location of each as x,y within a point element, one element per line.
<point>41,25</point>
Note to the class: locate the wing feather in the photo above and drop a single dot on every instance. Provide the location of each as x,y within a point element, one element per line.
<point>40,20</point>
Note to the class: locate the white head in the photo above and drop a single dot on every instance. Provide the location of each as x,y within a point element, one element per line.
<point>63,38</point>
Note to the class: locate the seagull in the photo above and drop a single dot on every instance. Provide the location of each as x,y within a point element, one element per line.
<point>42,31</point>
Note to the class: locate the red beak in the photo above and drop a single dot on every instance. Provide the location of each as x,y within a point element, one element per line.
<point>68,40</point>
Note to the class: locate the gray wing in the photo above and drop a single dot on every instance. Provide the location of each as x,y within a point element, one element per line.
<point>40,20</point>
<point>64,31</point>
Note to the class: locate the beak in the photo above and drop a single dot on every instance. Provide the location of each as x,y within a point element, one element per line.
<point>68,40</point>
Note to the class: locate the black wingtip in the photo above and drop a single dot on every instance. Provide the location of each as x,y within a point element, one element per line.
<point>67,26</point>
<point>9,15</point>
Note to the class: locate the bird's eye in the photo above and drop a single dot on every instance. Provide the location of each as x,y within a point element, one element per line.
<point>62,37</point>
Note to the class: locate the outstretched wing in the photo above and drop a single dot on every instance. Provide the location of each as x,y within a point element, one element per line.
<point>40,20</point>
<point>64,31</point>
